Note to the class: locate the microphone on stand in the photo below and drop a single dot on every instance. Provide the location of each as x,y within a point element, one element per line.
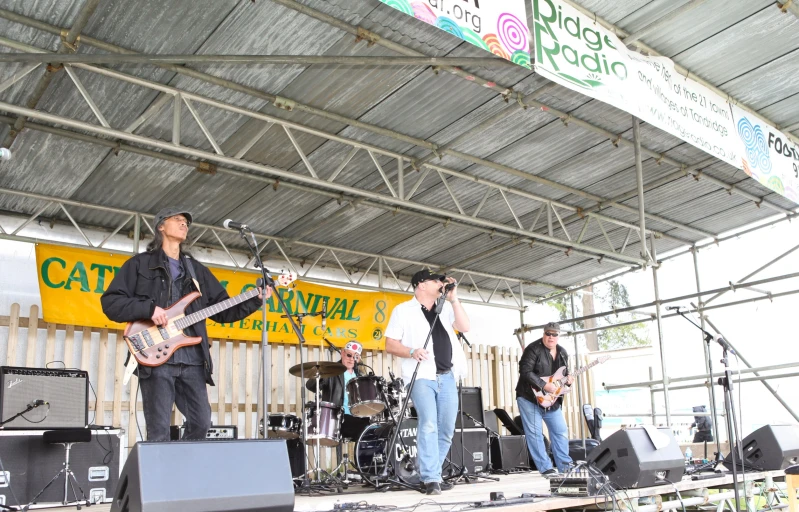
<point>36,403</point>
<point>672,308</point>
<point>331,346</point>
<point>232,224</point>
<point>461,336</point>
<point>721,341</point>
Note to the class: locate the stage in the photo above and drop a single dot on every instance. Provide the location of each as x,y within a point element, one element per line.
<point>537,496</point>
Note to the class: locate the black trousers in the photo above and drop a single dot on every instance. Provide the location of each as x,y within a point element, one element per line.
<point>180,384</point>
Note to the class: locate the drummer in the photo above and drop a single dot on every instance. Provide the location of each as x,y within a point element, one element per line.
<point>334,391</point>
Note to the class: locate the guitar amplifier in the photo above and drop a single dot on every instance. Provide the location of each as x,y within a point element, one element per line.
<point>66,393</point>
<point>215,433</point>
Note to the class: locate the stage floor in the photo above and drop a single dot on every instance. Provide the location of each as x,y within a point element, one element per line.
<point>466,495</point>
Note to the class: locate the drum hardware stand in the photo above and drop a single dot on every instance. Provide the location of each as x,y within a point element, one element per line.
<point>252,244</point>
<point>439,307</point>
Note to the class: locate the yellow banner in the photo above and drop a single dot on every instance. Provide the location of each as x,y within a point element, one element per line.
<point>71,281</point>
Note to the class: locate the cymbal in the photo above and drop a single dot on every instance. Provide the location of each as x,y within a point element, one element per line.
<point>323,368</point>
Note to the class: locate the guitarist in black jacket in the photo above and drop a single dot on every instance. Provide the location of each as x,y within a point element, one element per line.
<point>143,287</point>
<point>539,360</point>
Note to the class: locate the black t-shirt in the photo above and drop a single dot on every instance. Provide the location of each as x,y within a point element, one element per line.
<point>442,346</point>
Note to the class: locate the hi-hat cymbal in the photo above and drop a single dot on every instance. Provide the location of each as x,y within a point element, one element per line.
<point>322,368</point>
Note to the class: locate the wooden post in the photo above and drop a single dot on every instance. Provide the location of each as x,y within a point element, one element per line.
<point>69,347</point>
<point>234,385</point>
<point>33,334</point>
<point>119,370</point>
<point>248,368</point>
<point>49,348</point>
<point>13,335</point>
<point>99,411</point>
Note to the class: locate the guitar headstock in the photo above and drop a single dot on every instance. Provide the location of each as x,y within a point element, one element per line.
<point>602,359</point>
<point>286,278</point>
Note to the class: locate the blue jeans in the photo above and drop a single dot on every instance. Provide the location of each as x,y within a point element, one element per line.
<point>436,403</point>
<point>532,417</point>
<point>180,384</point>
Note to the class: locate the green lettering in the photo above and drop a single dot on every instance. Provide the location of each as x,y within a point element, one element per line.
<point>244,323</point>
<point>101,270</point>
<point>336,309</point>
<point>540,49</point>
<point>224,284</point>
<point>302,304</point>
<point>352,310</point>
<point>46,271</point>
<point>78,274</point>
<point>256,325</point>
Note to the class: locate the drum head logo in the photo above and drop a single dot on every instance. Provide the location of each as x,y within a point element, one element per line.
<point>377,333</point>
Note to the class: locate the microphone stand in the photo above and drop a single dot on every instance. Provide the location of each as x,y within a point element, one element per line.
<point>717,456</point>
<point>266,352</point>
<point>29,408</point>
<point>384,473</point>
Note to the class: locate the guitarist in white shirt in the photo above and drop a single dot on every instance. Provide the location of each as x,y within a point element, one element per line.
<point>539,360</point>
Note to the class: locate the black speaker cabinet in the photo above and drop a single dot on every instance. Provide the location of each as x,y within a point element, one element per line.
<point>473,405</point>
<point>576,451</point>
<point>475,442</point>
<point>770,447</point>
<point>630,460</point>
<point>30,464</point>
<point>509,453</point>
<point>198,476</point>
<point>215,433</point>
<point>65,391</point>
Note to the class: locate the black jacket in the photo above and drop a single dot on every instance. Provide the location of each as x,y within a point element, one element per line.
<point>332,388</point>
<point>535,363</point>
<point>143,282</point>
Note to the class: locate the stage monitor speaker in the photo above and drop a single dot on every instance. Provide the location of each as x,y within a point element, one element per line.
<point>475,442</point>
<point>509,453</point>
<point>198,476</point>
<point>630,459</point>
<point>771,447</point>
<point>65,391</point>
<point>473,405</point>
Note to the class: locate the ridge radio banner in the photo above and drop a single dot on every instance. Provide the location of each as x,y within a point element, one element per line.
<point>71,281</point>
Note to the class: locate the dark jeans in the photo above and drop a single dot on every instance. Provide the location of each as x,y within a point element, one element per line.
<point>180,384</point>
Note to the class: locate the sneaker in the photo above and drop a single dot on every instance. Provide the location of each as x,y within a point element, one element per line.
<point>445,486</point>
<point>432,488</point>
<point>549,473</point>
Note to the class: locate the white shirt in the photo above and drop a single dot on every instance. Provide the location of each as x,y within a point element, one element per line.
<point>409,325</point>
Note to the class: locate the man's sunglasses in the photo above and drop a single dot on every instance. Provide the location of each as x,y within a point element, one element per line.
<point>552,334</point>
<point>348,355</point>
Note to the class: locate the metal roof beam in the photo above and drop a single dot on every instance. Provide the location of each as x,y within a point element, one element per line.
<point>361,33</point>
<point>216,230</point>
<point>635,36</point>
<point>298,60</point>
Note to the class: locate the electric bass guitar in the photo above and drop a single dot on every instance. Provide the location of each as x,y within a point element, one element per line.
<point>559,380</point>
<point>153,345</point>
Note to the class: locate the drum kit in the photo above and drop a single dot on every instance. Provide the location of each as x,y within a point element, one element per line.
<point>370,397</point>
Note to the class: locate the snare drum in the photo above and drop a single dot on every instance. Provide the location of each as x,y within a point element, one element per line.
<point>329,423</point>
<point>283,426</point>
<point>365,396</point>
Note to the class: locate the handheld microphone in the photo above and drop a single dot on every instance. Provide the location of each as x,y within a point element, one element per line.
<point>448,287</point>
<point>461,336</point>
<point>232,224</point>
<point>36,403</point>
<point>721,341</point>
<point>324,315</point>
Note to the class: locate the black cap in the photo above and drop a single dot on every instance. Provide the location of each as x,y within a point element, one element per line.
<point>170,211</point>
<point>425,275</point>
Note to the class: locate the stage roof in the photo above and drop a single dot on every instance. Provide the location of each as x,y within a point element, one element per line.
<point>496,161</point>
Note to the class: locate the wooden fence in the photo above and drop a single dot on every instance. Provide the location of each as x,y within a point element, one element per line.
<point>27,341</point>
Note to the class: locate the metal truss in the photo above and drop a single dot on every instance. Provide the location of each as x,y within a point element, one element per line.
<point>396,197</point>
<point>505,286</point>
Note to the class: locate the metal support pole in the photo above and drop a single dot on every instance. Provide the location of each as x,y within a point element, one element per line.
<point>577,383</point>
<point>710,389</point>
<point>520,337</point>
<point>639,176</point>
<point>652,396</point>
<point>662,347</point>
<point>136,233</point>
<point>743,359</point>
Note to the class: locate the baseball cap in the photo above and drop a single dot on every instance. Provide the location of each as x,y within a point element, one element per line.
<point>552,326</point>
<point>425,275</point>
<point>171,211</point>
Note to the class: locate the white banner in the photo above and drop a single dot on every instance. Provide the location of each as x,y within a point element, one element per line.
<point>497,26</point>
<point>573,50</point>
<point>769,156</point>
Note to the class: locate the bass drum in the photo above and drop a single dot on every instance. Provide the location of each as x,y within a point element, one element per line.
<point>371,452</point>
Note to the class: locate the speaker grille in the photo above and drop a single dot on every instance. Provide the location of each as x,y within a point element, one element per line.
<point>66,392</point>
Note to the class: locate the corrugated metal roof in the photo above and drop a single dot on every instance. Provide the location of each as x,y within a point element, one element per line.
<point>747,48</point>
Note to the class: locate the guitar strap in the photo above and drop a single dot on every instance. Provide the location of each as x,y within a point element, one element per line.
<point>190,268</point>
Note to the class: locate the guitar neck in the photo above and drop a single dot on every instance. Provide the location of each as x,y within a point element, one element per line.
<point>590,365</point>
<point>216,308</point>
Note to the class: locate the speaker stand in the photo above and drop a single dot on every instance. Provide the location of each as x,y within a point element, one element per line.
<point>69,482</point>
